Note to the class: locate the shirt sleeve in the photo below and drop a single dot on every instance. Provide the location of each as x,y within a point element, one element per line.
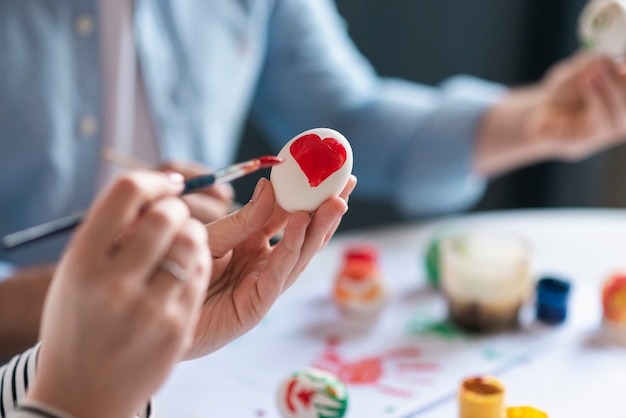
<point>413,144</point>
<point>29,409</point>
<point>15,377</point>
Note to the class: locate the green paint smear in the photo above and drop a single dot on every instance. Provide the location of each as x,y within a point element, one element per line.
<point>422,326</point>
<point>432,262</point>
<point>390,410</point>
<point>492,354</point>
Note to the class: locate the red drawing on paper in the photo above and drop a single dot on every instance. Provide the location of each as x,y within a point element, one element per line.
<point>401,365</point>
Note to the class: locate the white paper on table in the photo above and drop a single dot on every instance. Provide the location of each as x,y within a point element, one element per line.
<point>410,368</point>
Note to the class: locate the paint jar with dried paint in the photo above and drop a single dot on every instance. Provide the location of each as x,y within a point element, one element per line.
<point>551,301</point>
<point>360,290</point>
<point>614,307</point>
<point>486,279</point>
<point>481,397</point>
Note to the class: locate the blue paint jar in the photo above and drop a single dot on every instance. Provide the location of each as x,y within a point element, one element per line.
<point>552,298</point>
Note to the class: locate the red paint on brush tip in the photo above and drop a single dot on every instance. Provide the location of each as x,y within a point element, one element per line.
<point>269,161</point>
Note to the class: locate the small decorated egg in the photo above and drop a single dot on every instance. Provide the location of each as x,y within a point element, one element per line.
<point>360,290</point>
<point>312,393</point>
<point>602,27</point>
<point>317,165</point>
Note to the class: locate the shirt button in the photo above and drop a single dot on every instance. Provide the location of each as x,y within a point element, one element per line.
<point>88,126</point>
<point>84,25</point>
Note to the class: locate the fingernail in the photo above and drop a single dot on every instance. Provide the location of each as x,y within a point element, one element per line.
<point>175,178</point>
<point>257,190</point>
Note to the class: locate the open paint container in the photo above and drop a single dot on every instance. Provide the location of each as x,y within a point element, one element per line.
<point>486,278</point>
<point>481,397</point>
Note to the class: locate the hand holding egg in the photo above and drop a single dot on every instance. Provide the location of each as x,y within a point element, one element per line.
<point>317,166</point>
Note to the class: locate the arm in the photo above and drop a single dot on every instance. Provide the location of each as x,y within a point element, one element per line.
<point>440,144</point>
<point>577,109</point>
<point>21,301</point>
<point>413,144</point>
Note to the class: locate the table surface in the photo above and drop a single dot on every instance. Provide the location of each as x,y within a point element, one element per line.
<point>416,361</point>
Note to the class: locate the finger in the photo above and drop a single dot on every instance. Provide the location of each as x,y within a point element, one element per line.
<point>189,169</point>
<point>187,255</point>
<point>279,217</point>
<point>195,292</point>
<point>345,195</point>
<point>320,226</point>
<point>283,260</point>
<point>226,233</point>
<point>140,253</point>
<point>349,188</point>
<point>611,90</point>
<point>206,208</point>
<point>576,144</point>
<point>117,207</point>
<point>276,225</point>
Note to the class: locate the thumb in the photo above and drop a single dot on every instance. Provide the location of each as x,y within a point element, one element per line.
<point>228,232</point>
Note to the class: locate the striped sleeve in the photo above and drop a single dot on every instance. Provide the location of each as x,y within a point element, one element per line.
<point>31,409</point>
<point>15,377</point>
<point>147,412</point>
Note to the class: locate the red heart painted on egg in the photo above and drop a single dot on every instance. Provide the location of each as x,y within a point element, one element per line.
<point>318,158</point>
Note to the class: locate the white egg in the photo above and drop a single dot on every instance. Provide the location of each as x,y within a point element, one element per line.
<point>602,27</point>
<point>317,165</point>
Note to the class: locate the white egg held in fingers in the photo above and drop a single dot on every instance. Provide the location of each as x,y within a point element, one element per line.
<point>602,27</point>
<point>317,166</point>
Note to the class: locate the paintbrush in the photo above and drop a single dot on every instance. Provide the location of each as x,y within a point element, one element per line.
<point>192,185</point>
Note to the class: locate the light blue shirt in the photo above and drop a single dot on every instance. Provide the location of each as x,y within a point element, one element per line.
<point>206,64</point>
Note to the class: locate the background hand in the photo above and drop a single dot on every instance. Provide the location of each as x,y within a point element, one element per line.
<point>578,108</point>
<point>582,107</point>
<point>210,203</point>
<point>114,321</point>
<point>248,273</point>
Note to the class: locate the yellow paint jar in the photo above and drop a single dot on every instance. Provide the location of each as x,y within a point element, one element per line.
<point>524,412</point>
<point>481,397</point>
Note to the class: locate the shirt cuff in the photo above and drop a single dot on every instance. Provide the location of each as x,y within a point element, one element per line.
<point>29,408</point>
<point>33,409</point>
<point>15,378</point>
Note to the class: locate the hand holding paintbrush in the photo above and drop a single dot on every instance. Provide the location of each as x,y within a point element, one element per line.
<point>192,185</point>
